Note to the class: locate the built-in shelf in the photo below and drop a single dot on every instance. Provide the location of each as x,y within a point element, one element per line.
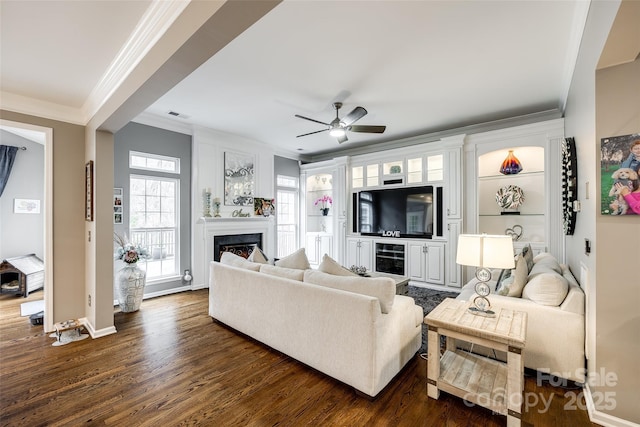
<point>533,173</point>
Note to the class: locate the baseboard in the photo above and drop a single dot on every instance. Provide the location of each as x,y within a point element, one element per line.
<point>601,418</point>
<point>97,333</point>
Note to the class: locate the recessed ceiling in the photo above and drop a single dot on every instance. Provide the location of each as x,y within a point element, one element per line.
<point>416,66</point>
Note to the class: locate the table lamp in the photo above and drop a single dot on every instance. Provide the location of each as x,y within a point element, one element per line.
<point>484,252</point>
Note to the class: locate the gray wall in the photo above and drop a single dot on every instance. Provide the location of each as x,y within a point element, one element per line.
<point>22,234</point>
<point>152,140</point>
<point>284,166</point>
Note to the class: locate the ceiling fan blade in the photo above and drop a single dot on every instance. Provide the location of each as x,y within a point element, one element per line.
<point>342,139</point>
<point>311,133</point>
<point>367,128</point>
<point>311,120</point>
<point>354,115</point>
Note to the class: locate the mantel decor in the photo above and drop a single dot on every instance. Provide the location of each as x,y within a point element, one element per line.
<point>239,179</point>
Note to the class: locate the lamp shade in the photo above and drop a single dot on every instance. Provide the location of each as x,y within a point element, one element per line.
<point>484,250</point>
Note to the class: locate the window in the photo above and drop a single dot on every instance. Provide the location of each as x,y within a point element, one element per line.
<point>153,223</point>
<point>153,162</point>
<point>287,214</point>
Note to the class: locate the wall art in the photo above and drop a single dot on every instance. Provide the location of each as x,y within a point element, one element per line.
<point>117,205</point>
<point>619,170</point>
<point>88,191</point>
<point>239,179</point>
<point>26,206</point>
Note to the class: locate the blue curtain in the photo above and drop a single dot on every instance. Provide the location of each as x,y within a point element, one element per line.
<point>7,156</point>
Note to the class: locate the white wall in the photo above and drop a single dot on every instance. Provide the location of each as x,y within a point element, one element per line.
<point>22,234</point>
<point>209,147</point>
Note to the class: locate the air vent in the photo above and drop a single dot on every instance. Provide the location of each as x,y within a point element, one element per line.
<point>176,114</point>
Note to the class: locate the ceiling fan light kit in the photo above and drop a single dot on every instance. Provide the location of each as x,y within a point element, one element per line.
<point>338,127</point>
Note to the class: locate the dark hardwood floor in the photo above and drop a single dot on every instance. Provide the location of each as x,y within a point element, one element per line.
<point>170,365</point>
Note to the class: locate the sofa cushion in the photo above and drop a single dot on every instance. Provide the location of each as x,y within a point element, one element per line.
<point>297,259</point>
<point>331,266</point>
<point>546,289</point>
<point>544,265</point>
<point>513,288</point>
<point>237,261</point>
<point>258,256</point>
<point>289,273</point>
<point>382,288</point>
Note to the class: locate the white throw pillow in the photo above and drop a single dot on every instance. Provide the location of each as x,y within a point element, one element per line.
<point>331,266</point>
<point>383,288</point>
<point>546,289</point>
<point>232,259</point>
<point>298,260</point>
<point>289,273</point>
<point>258,256</point>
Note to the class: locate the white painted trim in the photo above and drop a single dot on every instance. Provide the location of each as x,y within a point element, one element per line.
<point>601,418</point>
<point>37,107</point>
<point>153,24</point>
<point>166,123</point>
<point>48,216</point>
<point>97,333</point>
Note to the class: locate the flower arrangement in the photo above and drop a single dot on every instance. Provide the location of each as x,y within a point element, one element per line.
<point>325,201</point>
<point>128,252</point>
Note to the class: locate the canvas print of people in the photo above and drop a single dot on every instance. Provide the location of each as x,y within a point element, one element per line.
<point>620,166</point>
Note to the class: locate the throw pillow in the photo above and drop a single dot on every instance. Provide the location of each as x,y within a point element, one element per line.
<point>500,282</point>
<point>542,255</point>
<point>298,260</point>
<point>527,253</point>
<point>258,256</point>
<point>546,289</point>
<point>289,273</point>
<point>513,288</point>
<point>382,288</point>
<point>331,266</point>
<point>234,260</point>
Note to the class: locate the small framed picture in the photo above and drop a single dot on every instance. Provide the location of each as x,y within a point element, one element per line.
<point>117,205</point>
<point>88,191</point>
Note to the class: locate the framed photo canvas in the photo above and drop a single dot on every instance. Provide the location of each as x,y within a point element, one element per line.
<point>619,175</point>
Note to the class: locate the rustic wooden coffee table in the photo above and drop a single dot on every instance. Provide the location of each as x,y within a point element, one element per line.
<point>402,282</point>
<point>478,379</point>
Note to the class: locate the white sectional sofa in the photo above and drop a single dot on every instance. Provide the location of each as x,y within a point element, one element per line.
<point>555,306</point>
<point>353,329</point>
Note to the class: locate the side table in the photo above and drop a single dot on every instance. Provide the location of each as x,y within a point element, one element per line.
<point>486,382</point>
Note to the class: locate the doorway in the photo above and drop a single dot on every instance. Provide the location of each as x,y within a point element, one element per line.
<point>44,136</point>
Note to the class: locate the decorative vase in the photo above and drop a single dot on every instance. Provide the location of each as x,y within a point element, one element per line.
<point>511,165</point>
<point>510,198</point>
<point>325,211</point>
<point>131,282</point>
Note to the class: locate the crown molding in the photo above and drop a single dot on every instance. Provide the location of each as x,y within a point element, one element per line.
<point>153,24</point>
<point>166,123</point>
<point>580,14</point>
<point>45,109</point>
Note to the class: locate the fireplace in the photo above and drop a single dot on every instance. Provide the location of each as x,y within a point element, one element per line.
<point>239,244</point>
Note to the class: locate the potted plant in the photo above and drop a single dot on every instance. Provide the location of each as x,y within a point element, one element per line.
<point>325,202</point>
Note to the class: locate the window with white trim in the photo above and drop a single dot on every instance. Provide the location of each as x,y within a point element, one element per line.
<point>153,162</point>
<point>153,221</point>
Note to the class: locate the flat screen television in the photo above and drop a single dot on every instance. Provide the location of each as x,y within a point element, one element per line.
<point>414,212</point>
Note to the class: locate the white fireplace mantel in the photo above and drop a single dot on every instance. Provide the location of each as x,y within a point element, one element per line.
<point>209,228</point>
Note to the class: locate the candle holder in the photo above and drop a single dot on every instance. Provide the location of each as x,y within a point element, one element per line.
<point>216,205</point>
<point>206,203</point>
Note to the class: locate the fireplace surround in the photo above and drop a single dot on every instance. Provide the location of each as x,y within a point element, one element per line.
<point>240,244</point>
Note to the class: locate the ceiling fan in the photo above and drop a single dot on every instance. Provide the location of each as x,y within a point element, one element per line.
<point>338,127</point>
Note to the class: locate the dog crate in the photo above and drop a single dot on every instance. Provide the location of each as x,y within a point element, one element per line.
<point>22,275</point>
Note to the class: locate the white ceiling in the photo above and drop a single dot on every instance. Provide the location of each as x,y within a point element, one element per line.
<point>416,66</point>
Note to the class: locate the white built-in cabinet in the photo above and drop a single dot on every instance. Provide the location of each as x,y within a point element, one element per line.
<point>317,245</point>
<point>426,262</point>
<point>359,253</point>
